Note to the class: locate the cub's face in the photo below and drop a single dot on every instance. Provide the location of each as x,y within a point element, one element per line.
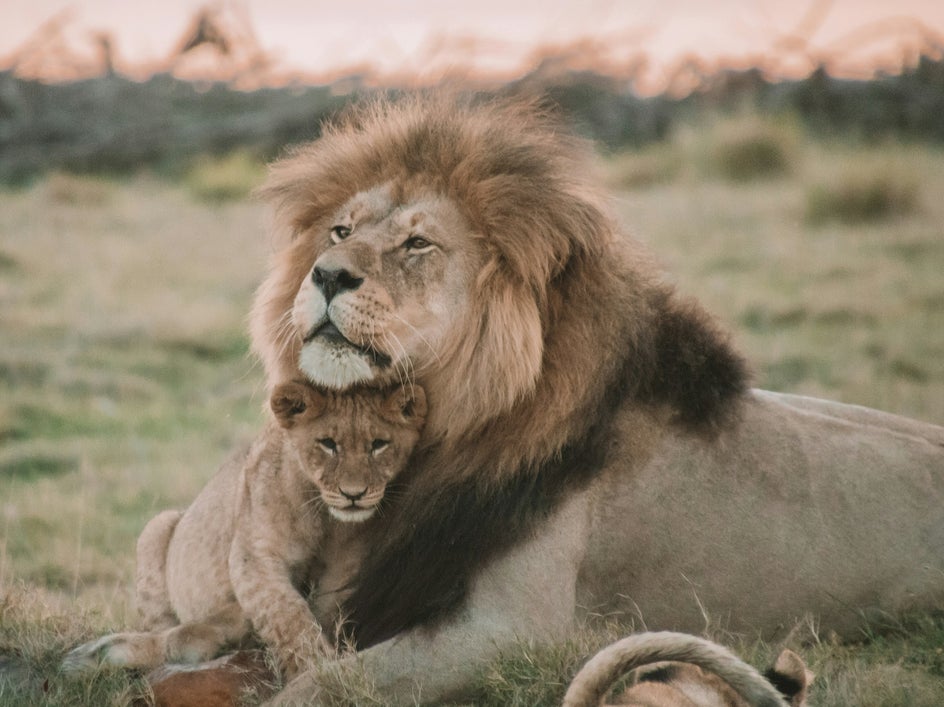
<point>390,282</point>
<point>350,444</point>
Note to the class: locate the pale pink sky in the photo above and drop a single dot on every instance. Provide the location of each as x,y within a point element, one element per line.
<point>319,36</point>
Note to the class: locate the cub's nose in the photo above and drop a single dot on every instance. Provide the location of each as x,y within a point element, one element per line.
<point>353,493</point>
<point>331,281</point>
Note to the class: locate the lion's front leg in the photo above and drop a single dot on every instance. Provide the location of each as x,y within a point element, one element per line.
<point>278,612</point>
<point>528,594</point>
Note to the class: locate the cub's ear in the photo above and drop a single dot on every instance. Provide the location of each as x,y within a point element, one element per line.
<point>290,400</point>
<point>408,401</point>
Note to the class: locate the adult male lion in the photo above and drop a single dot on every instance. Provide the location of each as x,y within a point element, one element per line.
<point>592,443</point>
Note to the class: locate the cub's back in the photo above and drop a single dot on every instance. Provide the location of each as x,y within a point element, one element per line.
<point>197,567</point>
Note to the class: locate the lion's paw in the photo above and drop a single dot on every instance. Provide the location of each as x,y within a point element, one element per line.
<point>124,650</point>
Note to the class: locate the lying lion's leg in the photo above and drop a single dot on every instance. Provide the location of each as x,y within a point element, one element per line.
<point>192,642</point>
<point>528,594</point>
<point>153,603</point>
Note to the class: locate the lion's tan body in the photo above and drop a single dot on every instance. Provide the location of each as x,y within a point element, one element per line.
<point>588,425</point>
<point>681,670</point>
<point>288,513</point>
<point>806,507</point>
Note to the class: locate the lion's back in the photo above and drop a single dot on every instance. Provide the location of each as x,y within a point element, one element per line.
<point>797,507</point>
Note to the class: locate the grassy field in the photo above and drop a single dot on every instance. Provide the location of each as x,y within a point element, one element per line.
<point>125,377</point>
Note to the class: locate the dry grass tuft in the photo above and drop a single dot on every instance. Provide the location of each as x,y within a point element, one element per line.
<point>753,150</point>
<point>78,190</point>
<point>229,178</point>
<point>861,198</point>
<point>737,149</point>
<point>638,169</point>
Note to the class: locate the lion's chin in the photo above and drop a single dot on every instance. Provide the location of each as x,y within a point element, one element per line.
<point>351,515</point>
<point>335,365</point>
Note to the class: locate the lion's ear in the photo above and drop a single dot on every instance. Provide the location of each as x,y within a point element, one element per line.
<point>289,401</point>
<point>408,401</point>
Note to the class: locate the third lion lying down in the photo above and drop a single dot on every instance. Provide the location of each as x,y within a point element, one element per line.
<point>698,673</point>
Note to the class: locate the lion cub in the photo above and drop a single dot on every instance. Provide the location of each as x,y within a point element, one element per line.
<point>292,510</point>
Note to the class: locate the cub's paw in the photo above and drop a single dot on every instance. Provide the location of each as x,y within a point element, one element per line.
<point>123,650</point>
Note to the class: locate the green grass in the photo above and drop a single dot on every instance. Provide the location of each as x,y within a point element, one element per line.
<point>125,379</point>
<point>900,668</point>
<point>849,311</point>
<point>124,376</point>
<point>35,630</point>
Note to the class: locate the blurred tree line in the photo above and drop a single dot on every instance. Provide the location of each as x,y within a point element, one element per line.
<point>114,124</point>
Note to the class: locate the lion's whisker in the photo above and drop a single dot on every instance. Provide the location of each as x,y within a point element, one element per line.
<point>312,507</point>
<point>420,336</point>
<point>403,359</point>
<point>285,332</point>
<point>404,374</point>
<point>396,365</point>
<point>406,363</point>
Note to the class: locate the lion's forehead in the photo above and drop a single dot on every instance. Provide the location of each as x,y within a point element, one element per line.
<point>380,221</point>
<point>354,422</point>
<point>362,466</point>
<point>374,204</point>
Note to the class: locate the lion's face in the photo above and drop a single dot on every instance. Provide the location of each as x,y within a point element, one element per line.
<point>437,243</point>
<point>385,291</point>
<point>350,445</point>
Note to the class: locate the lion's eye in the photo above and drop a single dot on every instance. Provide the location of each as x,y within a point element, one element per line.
<point>378,445</point>
<point>328,444</point>
<point>339,233</point>
<point>417,244</point>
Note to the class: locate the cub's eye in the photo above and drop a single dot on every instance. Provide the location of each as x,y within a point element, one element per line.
<point>378,445</point>
<point>339,233</point>
<point>328,444</point>
<point>417,244</point>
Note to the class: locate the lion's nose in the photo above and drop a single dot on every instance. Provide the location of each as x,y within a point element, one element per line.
<point>353,493</point>
<point>331,281</point>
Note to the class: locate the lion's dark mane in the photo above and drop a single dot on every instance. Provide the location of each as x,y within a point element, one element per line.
<point>570,323</point>
<point>421,568</point>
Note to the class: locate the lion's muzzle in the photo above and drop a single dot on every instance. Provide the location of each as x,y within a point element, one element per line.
<point>331,281</point>
<point>328,332</point>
